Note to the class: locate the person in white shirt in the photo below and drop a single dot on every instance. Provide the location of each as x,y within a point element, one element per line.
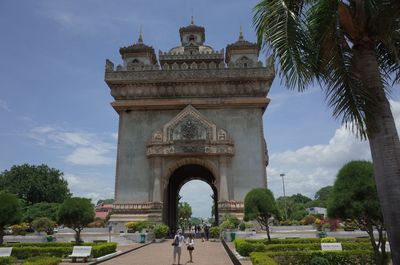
<point>190,247</point>
<point>177,243</point>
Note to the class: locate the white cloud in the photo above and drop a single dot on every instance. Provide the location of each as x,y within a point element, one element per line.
<point>90,185</point>
<point>310,168</point>
<point>197,194</point>
<point>85,149</point>
<point>73,180</point>
<point>4,105</point>
<point>90,156</point>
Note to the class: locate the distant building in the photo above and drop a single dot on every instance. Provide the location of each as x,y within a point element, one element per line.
<point>316,210</point>
<point>102,210</point>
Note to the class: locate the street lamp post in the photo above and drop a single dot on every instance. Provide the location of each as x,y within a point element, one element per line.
<point>284,194</point>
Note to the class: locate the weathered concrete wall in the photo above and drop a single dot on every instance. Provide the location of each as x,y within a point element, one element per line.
<point>246,169</point>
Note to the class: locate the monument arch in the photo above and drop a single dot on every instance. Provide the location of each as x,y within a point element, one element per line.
<point>193,112</point>
<point>180,177</point>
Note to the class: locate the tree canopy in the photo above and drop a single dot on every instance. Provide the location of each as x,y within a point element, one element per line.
<point>294,206</point>
<point>260,205</point>
<point>76,213</point>
<point>184,213</point>
<point>354,196</point>
<point>42,209</point>
<point>35,184</point>
<point>10,211</point>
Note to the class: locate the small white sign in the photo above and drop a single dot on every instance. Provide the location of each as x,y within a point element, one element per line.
<point>331,246</point>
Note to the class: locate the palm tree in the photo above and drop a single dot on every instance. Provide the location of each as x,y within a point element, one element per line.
<point>351,49</point>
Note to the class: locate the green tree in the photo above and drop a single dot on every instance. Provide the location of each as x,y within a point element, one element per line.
<point>35,184</point>
<point>10,211</point>
<point>43,224</point>
<point>42,209</point>
<point>323,193</point>
<point>184,214</point>
<point>354,196</point>
<point>295,206</point>
<point>260,205</point>
<point>351,49</point>
<point>76,213</point>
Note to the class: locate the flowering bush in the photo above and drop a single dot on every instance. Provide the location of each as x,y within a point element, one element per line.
<point>160,230</point>
<point>19,229</point>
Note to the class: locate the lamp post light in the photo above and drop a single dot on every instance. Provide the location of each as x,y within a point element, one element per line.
<point>284,194</point>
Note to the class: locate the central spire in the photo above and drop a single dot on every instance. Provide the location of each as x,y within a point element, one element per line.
<point>140,40</point>
<point>192,21</point>
<point>241,33</point>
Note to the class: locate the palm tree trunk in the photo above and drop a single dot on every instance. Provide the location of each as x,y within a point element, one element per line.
<point>385,147</point>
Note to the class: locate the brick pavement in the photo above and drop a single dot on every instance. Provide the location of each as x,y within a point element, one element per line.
<point>205,253</point>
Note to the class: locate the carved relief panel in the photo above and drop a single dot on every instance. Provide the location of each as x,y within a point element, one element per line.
<point>190,133</point>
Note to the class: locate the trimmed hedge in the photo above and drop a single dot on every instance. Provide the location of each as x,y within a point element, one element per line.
<point>259,258</point>
<point>305,240</point>
<point>42,261</point>
<point>100,250</point>
<point>58,250</point>
<point>316,246</point>
<point>6,260</point>
<point>244,248</point>
<point>348,257</point>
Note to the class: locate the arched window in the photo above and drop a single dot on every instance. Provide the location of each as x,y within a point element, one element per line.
<point>192,38</point>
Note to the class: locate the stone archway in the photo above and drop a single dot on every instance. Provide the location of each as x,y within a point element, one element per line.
<point>177,179</point>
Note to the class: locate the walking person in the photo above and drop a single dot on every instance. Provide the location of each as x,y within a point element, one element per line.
<point>177,243</point>
<point>190,247</point>
<point>206,232</point>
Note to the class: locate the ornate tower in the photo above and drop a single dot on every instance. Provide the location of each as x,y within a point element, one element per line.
<point>196,113</point>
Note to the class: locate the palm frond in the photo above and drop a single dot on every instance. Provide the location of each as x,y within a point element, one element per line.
<point>280,26</point>
<point>342,86</point>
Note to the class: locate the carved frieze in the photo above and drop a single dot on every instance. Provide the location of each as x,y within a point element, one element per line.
<point>190,133</point>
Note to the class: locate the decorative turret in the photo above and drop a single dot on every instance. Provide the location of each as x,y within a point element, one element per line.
<point>138,55</point>
<point>192,53</point>
<point>192,35</point>
<point>242,53</point>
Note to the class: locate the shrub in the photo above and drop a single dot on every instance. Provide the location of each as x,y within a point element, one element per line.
<point>138,226</point>
<point>98,222</point>
<point>42,261</point>
<point>161,230</point>
<point>319,261</point>
<point>242,226</point>
<point>328,239</point>
<point>24,251</point>
<point>227,225</point>
<point>232,219</point>
<point>100,250</point>
<point>333,257</point>
<point>6,260</point>
<point>258,258</point>
<point>244,248</point>
<point>43,224</point>
<point>19,229</point>
<point>308,220</point>
<point>215,231</point>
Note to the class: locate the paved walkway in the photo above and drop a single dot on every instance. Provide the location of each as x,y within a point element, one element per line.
<point>205,253</point>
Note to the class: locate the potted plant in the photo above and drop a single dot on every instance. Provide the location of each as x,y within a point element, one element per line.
<point>214,233</point>
<point>160,232</point>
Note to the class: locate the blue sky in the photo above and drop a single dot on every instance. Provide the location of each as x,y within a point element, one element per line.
<point>54,104</point>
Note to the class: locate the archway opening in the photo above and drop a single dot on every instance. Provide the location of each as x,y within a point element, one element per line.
<point>177,180</point>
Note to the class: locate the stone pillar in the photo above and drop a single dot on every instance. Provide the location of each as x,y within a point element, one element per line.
<point>223,180</point>
<point>157,180</point>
